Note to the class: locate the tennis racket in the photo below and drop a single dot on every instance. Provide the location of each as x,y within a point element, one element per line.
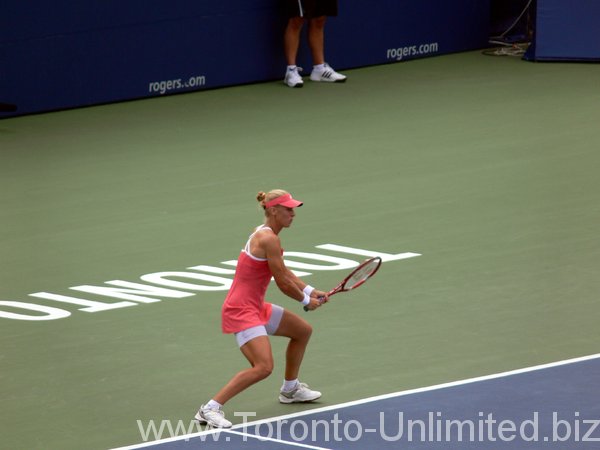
<point>357,277</point>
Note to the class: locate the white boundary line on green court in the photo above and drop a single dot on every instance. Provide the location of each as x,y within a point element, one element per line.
<point>365,400</point>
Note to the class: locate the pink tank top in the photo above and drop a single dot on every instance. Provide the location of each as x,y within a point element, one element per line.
<point>245,306</point>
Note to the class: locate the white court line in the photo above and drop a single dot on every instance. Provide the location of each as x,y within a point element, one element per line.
<point>368,400</point>
<point>294,444</point>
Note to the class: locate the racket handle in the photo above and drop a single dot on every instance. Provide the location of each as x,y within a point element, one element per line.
<point>306,307</point>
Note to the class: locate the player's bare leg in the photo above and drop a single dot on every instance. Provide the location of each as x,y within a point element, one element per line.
<point>299,332</point>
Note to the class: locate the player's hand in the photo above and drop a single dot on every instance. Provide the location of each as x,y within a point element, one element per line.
<point>320,295</point>
<point>314,304</point>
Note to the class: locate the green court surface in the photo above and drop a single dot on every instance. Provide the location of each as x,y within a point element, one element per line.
<point>486,167</point>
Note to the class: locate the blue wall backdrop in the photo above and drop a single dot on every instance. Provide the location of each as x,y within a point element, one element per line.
<point>65,53</point>
<point>566,31</point>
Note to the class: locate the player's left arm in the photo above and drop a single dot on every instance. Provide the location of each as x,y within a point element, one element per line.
<point>286,280</point>
<point>321,295</point>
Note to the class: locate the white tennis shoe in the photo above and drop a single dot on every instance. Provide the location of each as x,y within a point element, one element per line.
<point>301,394</point>
<point>212,417</point>
<point>293,78</point>
<point>327,74</point>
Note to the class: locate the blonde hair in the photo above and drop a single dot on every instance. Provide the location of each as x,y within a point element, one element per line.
<point>264,197</point>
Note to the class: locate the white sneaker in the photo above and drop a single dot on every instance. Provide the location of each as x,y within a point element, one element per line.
<point>327,74</point>
<point>212,417</point>
<point>293,78</point>
<point>300,394</point>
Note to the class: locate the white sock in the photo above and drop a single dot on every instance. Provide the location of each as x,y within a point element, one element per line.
<point>289,385</point>
<point>213,405</point>
<point>291,67</point>
<point>319,67</point>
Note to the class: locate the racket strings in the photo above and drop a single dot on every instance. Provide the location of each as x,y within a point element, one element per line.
<point>361,274</point>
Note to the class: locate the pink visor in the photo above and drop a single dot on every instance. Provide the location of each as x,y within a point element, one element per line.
<point>284,200</point>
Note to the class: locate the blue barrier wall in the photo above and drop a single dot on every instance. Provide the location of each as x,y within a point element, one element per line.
<point>566,31</point>
<point>64,54</point>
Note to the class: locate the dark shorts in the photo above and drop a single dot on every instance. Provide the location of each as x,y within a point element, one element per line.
<point>311,8</point>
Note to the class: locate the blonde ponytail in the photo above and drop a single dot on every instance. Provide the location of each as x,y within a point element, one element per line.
<point>263,198</point>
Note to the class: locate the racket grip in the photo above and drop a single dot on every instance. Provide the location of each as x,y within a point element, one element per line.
<point>306,307</point>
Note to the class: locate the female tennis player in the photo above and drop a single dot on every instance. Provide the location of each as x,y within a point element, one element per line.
<point>246,313</point>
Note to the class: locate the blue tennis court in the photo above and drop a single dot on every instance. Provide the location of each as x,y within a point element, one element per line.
<point>553,406</point>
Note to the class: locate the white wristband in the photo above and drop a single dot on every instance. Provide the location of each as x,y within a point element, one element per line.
<point>308,289</point>
<point>306,300</point>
